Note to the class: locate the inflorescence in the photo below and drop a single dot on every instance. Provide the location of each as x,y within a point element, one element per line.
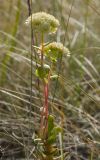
<point>43,22</point>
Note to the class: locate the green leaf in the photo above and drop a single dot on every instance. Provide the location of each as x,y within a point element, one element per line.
<point>54,77</point>
<point>42,72</point>
<point>46,68</point>
<point>52,138</point>
<point>56,130</point>
<point>39,72</point>
<point>50,124</point>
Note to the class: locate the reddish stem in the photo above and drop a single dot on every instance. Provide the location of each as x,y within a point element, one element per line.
<point>44,114</point>
<point>45,111</point>
<point>46,99</point>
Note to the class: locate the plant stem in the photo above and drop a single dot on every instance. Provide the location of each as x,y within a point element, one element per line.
<point>44,114</point>
<point>46,99</point>
<point>42,50</point>
<point>42,63</point>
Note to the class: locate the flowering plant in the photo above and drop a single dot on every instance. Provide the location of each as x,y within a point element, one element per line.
<point>45,23</point>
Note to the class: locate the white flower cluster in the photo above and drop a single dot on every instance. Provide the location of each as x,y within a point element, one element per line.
<point>55,50</point>
<point>43,22</point>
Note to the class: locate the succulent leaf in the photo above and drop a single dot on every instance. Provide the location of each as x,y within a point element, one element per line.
<point>42,72</point>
